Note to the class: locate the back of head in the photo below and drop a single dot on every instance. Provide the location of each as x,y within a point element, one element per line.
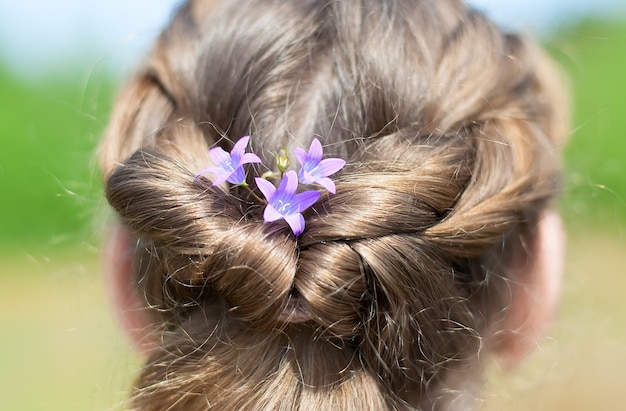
<point>450,131</point>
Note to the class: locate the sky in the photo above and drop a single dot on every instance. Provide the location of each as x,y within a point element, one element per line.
<point>39,36</point>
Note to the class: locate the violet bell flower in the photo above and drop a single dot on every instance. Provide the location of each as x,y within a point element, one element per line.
<point>229,166</point>
<point>284,203</point>
<point>316,170</point>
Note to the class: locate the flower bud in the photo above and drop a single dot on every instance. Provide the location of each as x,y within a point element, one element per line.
<point>282,160</point>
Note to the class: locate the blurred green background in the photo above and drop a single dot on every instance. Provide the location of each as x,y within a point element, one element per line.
<point>61,349</point>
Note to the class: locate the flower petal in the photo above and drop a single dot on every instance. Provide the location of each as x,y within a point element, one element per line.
<point>220,157</point>
<point>248,158</point>
<point>328,184</point>
<point>289,184</point>
<point>330,166</point>
<point>304,200</point>
<point>237,177</point>
<point>240,148</point>
<point>315,151</point>
<point>300,155</point>
<point>270,214</point>
<point>305,177</point>
<point>220,178</point>
<point>296,222</point>
<point>266,188</point>
<point>209,170</point>
<point>218,174</point>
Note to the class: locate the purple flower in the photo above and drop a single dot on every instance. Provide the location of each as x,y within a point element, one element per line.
<point>284,203</point>
<point>316,170</point>
<point>229,166</point>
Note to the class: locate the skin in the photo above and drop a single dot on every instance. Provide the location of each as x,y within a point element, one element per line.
<point>125,301</point>
<point>535,293</point>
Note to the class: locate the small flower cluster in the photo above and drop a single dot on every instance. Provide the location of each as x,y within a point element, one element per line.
<point>283,202</point>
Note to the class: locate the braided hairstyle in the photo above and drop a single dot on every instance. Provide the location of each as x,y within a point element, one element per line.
<point>450,130</point>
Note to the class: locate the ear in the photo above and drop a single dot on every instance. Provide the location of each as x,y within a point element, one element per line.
<point>130,312</point>
<point>535,288</point>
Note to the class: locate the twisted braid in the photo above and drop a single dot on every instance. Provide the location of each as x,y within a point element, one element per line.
<point>451,132</point>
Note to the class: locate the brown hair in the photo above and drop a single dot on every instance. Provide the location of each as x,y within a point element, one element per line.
<point>450,129</point>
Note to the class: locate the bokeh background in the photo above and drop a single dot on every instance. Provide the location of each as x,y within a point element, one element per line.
<point>60,67</point>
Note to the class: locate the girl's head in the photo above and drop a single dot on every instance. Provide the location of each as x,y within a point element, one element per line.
<point>436,249</point>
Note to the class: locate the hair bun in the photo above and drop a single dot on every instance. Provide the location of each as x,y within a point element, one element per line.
<point>203,239</point>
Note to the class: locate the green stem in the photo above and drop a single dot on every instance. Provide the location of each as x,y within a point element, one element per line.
<point>253,194</point>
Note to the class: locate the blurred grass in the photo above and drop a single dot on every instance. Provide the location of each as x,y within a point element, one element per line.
<point>580,366</point>
<point>49,131</point>
<point>61,350</point>
<point>593,54</point>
